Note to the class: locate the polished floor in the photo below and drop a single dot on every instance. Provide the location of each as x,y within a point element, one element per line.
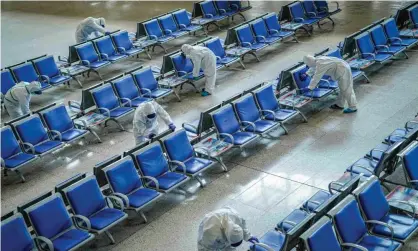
<point>266,181</point>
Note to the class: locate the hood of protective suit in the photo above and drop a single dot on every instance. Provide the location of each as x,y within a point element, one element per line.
<point>100,21</point>
<point>146,110</point>
<point>33,86</point>
<point>233,233</point>
<point>309,61</point>
<point>186,49</point>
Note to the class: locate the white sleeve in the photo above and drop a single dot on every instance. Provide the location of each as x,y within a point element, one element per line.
<point>162,113</point>
<point>247,233</point>
<point>197,61</point>
<point>319,72</point>
<point>97,27</point>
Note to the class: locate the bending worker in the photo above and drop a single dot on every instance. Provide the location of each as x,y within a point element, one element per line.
<point>17,99</point>
<point>204,58</point>
<point>223,230</point>
<point>338,70</point>
<point>145,124</point>
<point>90,28</point>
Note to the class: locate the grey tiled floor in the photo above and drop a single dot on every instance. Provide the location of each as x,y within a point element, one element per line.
<point>266,181</point>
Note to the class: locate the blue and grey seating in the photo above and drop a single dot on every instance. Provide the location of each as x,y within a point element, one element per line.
<point>128,91</point>
<point>15,234</point>
<point>7,82</point>
<point>55,228</point>
<point>108,104</point>
<point>185,23</point>
<point>230,129</point>
<point>26,72</point>
<point>410,162</point>
<point>34,137</point>
<point>210,12</point>
<point>375,207</point>
<point>152,162</point>
<point>312,10</point>
<point>184,66</point>
<point>90,58</point>
<point>181,154</point>
<point>274,28</point>
<point>367,49</point>
<point>48,70</point>
<point>12,156</point>
<point>221,57</point>
<point>262,34</point>
<point>291,220</point>
<point>99,212</point>
<point>124,44</point>
<point>356,73</point>
<point>229,9</point>
<point>394,36</point>
<point>107,51</point>
<point>299,16</point>
<point>382,43</point>
<point>154,32</point>
<point>302,85</point>
<point>409,130</point>
<point>148,85</point>
<point>352,228</point>
<point>247,39</point>
<point>169,26</point>
<point>127,184</point>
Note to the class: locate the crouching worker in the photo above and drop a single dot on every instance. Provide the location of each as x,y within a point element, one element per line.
<point>17,99</point>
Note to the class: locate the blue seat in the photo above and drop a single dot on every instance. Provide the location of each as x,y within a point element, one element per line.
<point>127,90</point>
<point>377,152</point>
<point>353,229</point>
<point>299,16</point>
<point>152,162</point>
<point>86,199</point>
<point>397,135</point>
<point>229,128</point>
<point>302,85</point>
<point>107,102</point>
<point>270,108</point>
<point>124,44</point>
<point>34,136</point>
<point>247,39</point>
<point>318,199</point>
<point>49,71</point>
<point>184,66</point>
<point>292,220</point>
<point>410,161</point>
<point>60,125</point>
<point>225,8</point>
<point>184,22</point>
<point>312,11</point>
<point>381,42</point>
<point>169,26</point>
<point>148,85</point>
<point>251,118</point>
<point>154,32</point>
<point>275,240</point>
<point>89,58</point>
<point>274,28</point>
<point>413,16</point>
<point>26,72</point>
<point>367,50</point>
<point>182,155</point>
<point>221,58</point>
<point>107,51</point>
<point>126,183</point>
<point>394,37</point>
<point>7,81</point>
<point>354,72</point>
<point>15,234</point>
<point>51,220</point>
<point>209,11</point>
<point>375,207</point>
<point>12,156</point>
<point>262,34</point>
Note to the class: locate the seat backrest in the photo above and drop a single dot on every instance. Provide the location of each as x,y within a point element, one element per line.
<point>296,74</point>
<point>259,28</point>
<point>7,81</point>
<point>390,28</point>
<point>272,22</point>
<point>25,72</point>
<point>246,108</point>
<point>151,160</point>
<point>87,52</point>
<point>57,118</point>
<point>145,79</point>
<point>47,66</point>
<point>364,43</point>
<point>122,176</point>
<point>85,197</point>
<point>309,6</point>
<point>182,63</point>
<point>321,5</point>
<point>378,35</point>
<point>125,87</point>
<point>105,97</point>
<point>410,161</point>
<point>296,10</point>
<point>244,34</point>
<point>413,15</point>
<point>321,236</point>
<point>121,39</point>
<point>152,27</point>
<point>225,120</point>
<point>49,217</point>
<point>177,146</point>
<point>182,17</point>
<point>336,53</point>
<point>373,201</point>
<point>216,47</point>
<point>31,130</point>
<point>9,144</point>
<point>222,5</point>
<point>105,46</point>
<point>15,234</point>
<point>208,8</point>
<point>167,23</point>
<point>266,98</point>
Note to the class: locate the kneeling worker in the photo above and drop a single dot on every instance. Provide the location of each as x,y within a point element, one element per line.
<point>145,124</point>
<point>204,58</point>
<point>338,70</point>
<point>90,28</point>
<point>223,230</point>
<point>17,99</point>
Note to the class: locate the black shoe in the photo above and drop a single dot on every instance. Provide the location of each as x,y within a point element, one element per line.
<point>336,107</point>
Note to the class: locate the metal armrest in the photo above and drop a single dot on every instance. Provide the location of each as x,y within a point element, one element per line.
<point>184,72</point>
<point>264,246</point>
<point>313,202</point>
<point>31,147</point>
<point>44,77</point>
<point>222,11</point>
<point>44,240</point>
<point>84,219</point>
<point>121,50</point>
<point>405,203</point>
<point>299,18</point>
<point>243,127</point>
<point>104,56</point>
<point>179,163</point>
<point>412,122</point>
<point>363,167</point>
<point>287,222</point>
<point>311,13</point>
<point>273,31</point>
<point>206,150</point>
<point>383,46</point>
<point>326,81</point>
<point>157,185</point>
<point>354,246</point>
<point>235,6</point>
<point>123,197</point>
<point>369,54</point>
<point>168,31</point>
<point>107,111</point>
<point>218,58</point>
<point>190,125</point>
<point>109,198</point>
<point>208,15</point>
<point>229,136</point>
<point>128,101</point>
<point>396,39</point>
<point>57,133</point>
<point>375,150</point>
<point>270,112</point>
<point>153,37</point>
<point>338,4</point>
<point>86,63</point>
<point>146,91</point>
<point>262,37</point>
<point>245,44</point>
<point>334,183</point>
<point>396,135</point>
<point>182,26</point>
<point>375,222</point>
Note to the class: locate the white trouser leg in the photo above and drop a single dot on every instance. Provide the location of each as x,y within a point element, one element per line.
<point>210,83</point>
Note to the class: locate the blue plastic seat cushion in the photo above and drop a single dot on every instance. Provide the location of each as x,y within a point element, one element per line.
<point>17,236</point>
<point>193,128</point>
<point>393,49</point>
<point>282,33</point>
<point>120,111</point>
<point>241,138</point>
<point>398,135</point>
<point>317,200</point>
<point>273,239</point>
<point>158,93</point>
<point>377,155</point>
<point>46,146</point>
<point>380,57</point>
<point>139,100</point>
<point>59,79</point>
<point>194,165</point>
<point>105,217</point>
<point>405,41</point>
<point>356,73</point>
<point>371,242</point>
<point>192,27</point>
<point>371,164</point>
<point>324,239</point>
<point>133,51</point>
<point>69,239</point>
<point>98,64</point>
<point>261,126</point>
<point>402,225</point>
<point>280,114</point>
<point>142,196</point>
<point>168,180</point>
<point>331,85</point>
<point>258,46</point>
<point>179,33</point>
<point>45,85</point>
<point>227,60</point>
<point>270,40</point>
<point>316,93</point>
<point>72,134</point>
<point>296,216</point>
<point>165,38</point>
<point>114,58</point>
<point>18,160</point>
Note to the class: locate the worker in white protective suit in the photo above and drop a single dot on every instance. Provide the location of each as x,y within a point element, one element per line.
<point>338,70</point>
<point>17,98</point>
<point>202,57</point>
<point>145,123</point>
<point>90,28</point>
<point>223,230</point>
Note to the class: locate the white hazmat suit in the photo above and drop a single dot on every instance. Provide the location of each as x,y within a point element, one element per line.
<point>204,58</point>
<point>17,99</point>
<point>144,126</point>
<point>220,229</point>
<point>338,70</point>
<point>90,28</point>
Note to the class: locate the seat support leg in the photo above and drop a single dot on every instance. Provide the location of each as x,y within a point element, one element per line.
<point>333,23</point>
<point>95,135</point>
<point>78,81</point>
<point>284,128</point>
<point>5,172</point>
<point>20,175</point>
<point>242,15</point>
<point>143,216</point>
<point>220,160</point>
<point>255,55</point>
<point>148,55</point>
<point>117,122</point>
<point>241,63</point>
<point>366,77</point>
<point>112,241</point>
<point>98,74</point>
<point>200,181</point>
<point>177,95</point>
